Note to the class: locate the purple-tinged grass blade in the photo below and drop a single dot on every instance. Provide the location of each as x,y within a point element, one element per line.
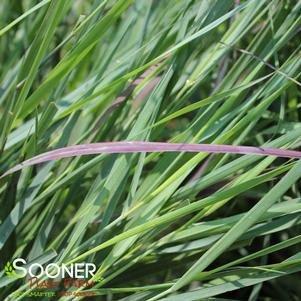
<point>139,147</point>
<point>127,92</point>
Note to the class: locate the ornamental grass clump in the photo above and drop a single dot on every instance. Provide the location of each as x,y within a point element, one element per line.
<point>153,145</point>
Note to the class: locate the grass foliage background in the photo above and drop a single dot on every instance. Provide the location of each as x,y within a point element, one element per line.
<point>168,226</point>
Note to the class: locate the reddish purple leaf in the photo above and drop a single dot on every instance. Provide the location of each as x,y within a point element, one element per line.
<point>139,146</point>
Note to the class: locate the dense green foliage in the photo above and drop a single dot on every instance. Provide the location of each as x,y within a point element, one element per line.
<point>170,226</point>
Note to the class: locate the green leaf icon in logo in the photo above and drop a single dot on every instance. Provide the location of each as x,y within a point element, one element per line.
<point>9,270</point>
